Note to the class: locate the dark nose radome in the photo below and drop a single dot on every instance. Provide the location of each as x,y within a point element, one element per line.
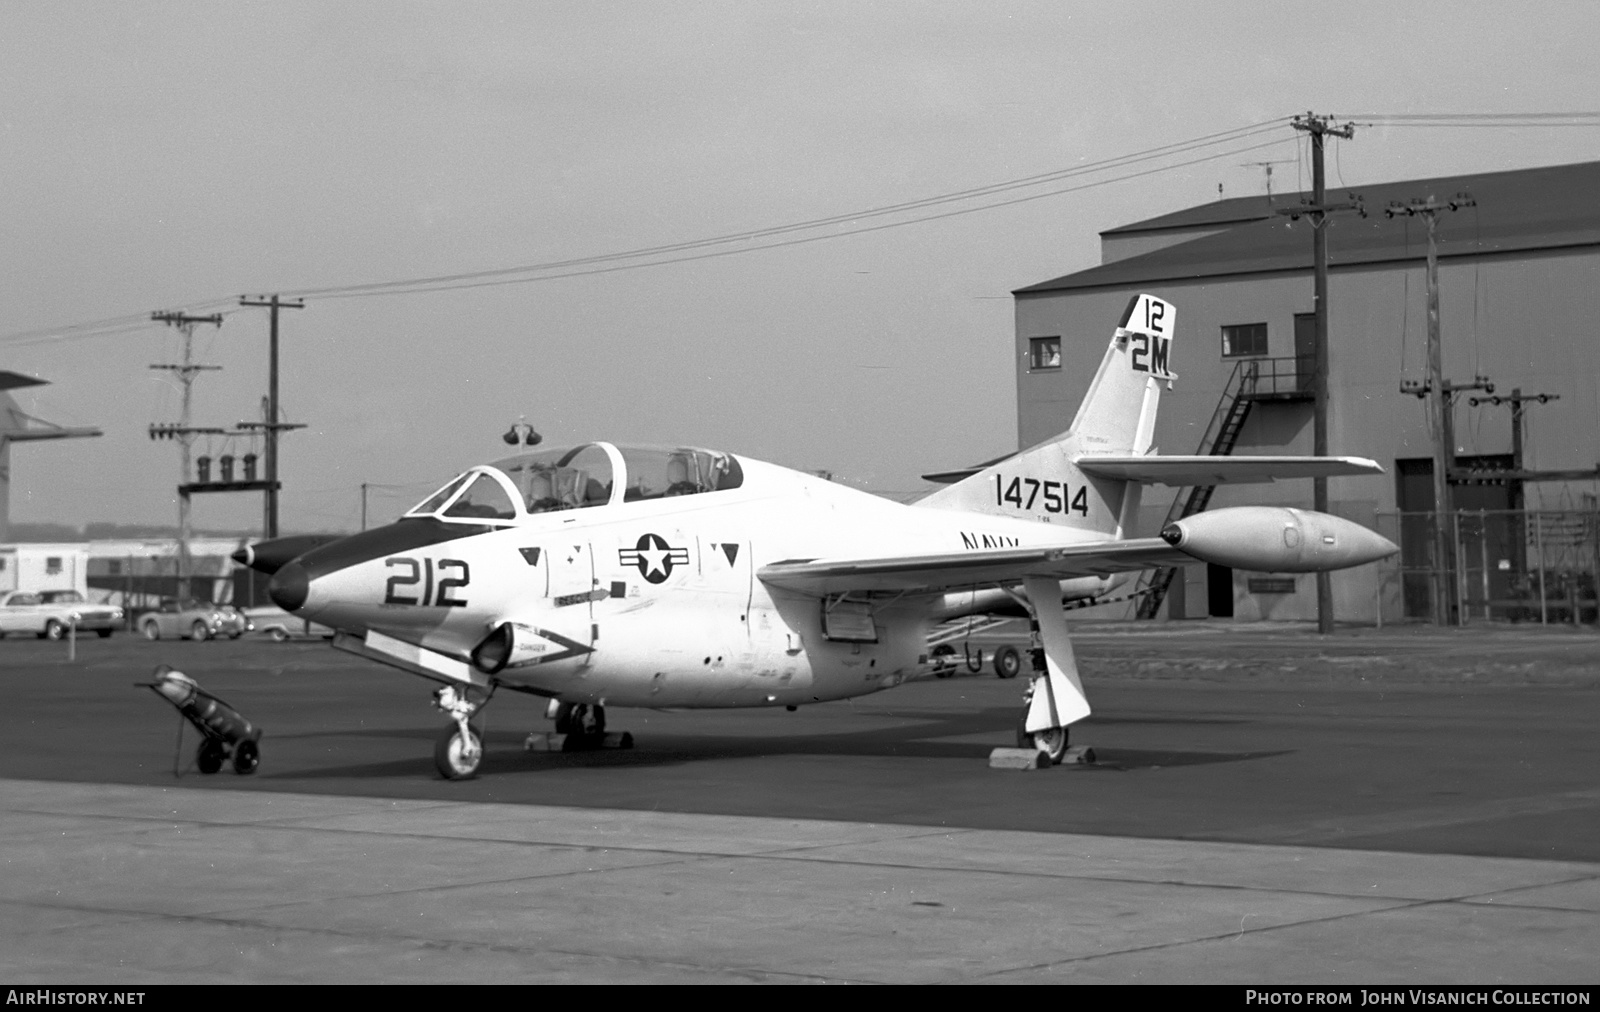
<point>289,586</point>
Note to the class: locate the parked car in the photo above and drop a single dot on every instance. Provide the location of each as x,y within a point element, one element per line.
<point>279,625</point>
<point>51,614</point>
<point>102,618</point>
<point>198,620</point>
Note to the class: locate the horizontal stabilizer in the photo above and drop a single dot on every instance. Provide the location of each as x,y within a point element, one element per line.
<point>966,569</point>
<point>1206,470</point>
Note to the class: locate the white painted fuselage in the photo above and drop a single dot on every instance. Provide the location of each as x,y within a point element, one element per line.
<point>682,621</point>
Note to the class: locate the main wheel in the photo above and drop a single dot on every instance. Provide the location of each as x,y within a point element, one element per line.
<point>581,719</point>
<point>1007,662</point>
<point>150,630</point>
<point>54,630</point>
<point>458,758</point>
<point>210,756</point>
<point>199,631</point>
<point>1051,741</point>
<point>246,757</point>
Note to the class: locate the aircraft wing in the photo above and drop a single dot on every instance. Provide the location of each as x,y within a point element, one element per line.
<point>1181,471</point>
<point>965,569</point>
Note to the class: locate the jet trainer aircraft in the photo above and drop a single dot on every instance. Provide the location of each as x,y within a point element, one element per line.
<point>601,576</point>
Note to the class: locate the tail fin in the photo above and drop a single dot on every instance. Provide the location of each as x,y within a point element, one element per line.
<point>1117,417</point>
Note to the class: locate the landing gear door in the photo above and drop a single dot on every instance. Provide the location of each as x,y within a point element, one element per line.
<point>572,590</point>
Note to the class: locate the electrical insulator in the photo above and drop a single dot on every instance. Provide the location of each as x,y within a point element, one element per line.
<point>226,461</point>
<point>249,467</point>
<point>202,467</point>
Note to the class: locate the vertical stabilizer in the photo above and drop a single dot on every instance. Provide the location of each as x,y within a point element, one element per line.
<point>1117,418</point>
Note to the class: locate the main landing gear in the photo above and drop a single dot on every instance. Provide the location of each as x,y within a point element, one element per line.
<point>1052,741</point>
<point>579,728</point>
<point>458,751</point>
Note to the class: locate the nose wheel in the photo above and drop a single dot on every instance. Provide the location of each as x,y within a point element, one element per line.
<point>458,751</point>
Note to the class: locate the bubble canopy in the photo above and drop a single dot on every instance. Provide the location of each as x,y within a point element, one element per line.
<point>579,477</point>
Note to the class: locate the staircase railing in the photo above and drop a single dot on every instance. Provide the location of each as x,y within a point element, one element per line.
<point>1221,434</point>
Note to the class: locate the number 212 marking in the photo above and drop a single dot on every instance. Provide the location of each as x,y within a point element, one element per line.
<point>424,574</point>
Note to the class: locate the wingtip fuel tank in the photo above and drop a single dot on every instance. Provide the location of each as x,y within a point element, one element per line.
<point>1276,539</point>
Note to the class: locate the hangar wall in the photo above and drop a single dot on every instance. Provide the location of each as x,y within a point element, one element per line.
<point>1524,319</point>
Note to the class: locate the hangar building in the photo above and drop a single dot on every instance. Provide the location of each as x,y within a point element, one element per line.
<point>1519,281</point>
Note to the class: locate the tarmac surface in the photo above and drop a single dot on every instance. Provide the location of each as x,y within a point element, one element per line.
<point>1406,805</point>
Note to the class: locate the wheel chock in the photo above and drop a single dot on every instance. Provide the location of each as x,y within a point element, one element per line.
<point>1078,755</point>
<point>552,741</point>
<point>1018,759</point>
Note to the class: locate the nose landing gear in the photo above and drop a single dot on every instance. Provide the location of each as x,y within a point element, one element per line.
<point>458,752</point>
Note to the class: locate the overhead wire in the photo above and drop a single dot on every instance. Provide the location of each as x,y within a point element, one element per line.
<point>423,287</point>
<point>748,241</point>
<point>641,257</point>
<point>1039,179</point>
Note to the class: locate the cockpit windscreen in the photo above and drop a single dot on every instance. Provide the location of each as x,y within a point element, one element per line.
<point>580,477</point>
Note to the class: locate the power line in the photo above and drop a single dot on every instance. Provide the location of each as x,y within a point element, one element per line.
<point>513,275</point>
<point>430,285</point>
<point>1179,147</point>
<point>746,241</point>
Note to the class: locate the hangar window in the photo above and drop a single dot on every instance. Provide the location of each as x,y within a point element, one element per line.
<point>1244,340</point>
<point>1044,353</point>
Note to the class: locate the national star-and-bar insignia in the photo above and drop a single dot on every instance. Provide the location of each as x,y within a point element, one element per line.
<point>654,557</point>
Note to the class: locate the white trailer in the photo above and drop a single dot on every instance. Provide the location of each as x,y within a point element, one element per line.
<point>41,566</point>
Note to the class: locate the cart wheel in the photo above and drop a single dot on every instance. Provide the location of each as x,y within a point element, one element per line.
<point>1007,662</point>
<point>210,757</point>
<point>458,759</point>
<point>151,630</point>
<point>198,631</point>
<point>246,757</point>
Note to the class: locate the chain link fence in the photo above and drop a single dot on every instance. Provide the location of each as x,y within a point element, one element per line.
<point>1494,566</point>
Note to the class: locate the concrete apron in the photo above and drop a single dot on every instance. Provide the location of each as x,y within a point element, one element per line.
<point>125,885</point>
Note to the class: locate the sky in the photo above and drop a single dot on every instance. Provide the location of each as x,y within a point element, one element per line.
<point>174,156</point>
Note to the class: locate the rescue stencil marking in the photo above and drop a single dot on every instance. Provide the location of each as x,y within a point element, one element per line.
<point>654,557</point>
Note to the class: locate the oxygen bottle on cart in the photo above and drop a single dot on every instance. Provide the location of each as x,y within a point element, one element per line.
<point>225,733</point>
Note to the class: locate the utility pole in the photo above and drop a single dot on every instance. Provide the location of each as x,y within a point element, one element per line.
<point>183,432</point>
<point>1319,127</point>
<point>1441,409</point>
<point>1516,399</point>
<point>272,426</point>
<point>1268,167</point>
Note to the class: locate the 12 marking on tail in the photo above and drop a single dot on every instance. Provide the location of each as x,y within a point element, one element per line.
<point>1117,417</point>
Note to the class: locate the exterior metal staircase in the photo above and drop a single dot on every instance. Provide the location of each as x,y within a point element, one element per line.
<point>1238,396</point>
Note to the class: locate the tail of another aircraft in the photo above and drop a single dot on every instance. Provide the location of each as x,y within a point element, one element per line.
<point>1117,418</point>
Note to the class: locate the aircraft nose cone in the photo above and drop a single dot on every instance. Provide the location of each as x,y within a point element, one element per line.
<point>242,556</point>
<point>289,586</point>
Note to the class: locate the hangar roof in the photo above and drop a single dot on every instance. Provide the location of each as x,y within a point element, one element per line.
<point>1550,207</point>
